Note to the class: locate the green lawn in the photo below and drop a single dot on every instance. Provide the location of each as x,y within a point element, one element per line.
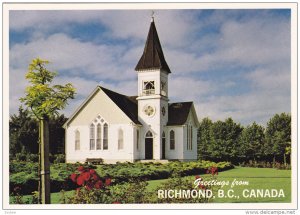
<point>258,178</point>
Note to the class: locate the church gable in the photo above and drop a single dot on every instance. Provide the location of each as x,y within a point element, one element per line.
<point>106,103</point>
<point>179,112</point>
<point>192,117</point>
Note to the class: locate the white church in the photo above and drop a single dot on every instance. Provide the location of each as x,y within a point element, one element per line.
<point>118,128</point>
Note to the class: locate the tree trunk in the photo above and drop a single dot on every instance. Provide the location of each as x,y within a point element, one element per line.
<point>45,165</point>
<point>39,167</point>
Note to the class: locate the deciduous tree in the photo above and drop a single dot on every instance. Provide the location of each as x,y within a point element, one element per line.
<point>44,101</point>
<point>278,136</point>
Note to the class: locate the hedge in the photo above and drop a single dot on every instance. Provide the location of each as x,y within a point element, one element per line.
<point>25,174</point>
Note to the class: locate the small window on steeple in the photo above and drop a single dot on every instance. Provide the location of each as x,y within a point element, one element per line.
<point>148,88</point>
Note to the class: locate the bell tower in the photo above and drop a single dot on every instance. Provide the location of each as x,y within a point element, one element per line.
<point>153,72</point>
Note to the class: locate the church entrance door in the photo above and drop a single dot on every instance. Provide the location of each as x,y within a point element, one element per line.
<point>149,148</point>
<point>163,148</point>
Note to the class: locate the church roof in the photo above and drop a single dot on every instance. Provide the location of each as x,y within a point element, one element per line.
<point>126,103</point>
<point>153,56</point>
<point>178,112</point>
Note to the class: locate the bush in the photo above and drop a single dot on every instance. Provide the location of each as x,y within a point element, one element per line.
<point>25,174</point>
<point>21,157</point>
<point>32,157</point>
<point>60,158</point>
<point>264,164</point>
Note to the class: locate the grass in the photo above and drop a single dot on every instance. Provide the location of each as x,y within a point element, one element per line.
<point>258,178</point>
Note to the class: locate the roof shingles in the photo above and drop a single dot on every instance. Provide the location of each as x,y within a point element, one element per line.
<point>153,56</point>
<point>177,112</point>
<point>127,104</point>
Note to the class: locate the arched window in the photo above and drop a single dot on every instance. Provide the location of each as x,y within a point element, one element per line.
<point>92,137</point>
<point>98,142</point>
<point>137,138</point>
<point>172,140</point>
<point>105,136</point>
<point>189,137</point>
<point>148,88</point>
<point>120,139</point>
<point>149,134</point>
<point>77,140</point>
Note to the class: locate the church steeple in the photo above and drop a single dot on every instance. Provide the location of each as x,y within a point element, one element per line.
<point>153,56</point>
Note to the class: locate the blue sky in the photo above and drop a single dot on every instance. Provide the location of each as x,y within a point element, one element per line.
<point>231,63</point>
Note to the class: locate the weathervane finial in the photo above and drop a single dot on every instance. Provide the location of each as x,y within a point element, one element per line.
<point>152,16</point>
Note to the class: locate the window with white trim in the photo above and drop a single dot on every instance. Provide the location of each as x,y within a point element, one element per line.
<point>92,137</point>
<point>97,134</point>
<point>137,138</point>
<point>189,134</point>
<point>172,140</point>
<point>105,136</point>
<point>98,141</point>
<point>148,88</point>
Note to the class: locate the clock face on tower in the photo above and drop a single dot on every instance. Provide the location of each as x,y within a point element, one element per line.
<point>149,110</point>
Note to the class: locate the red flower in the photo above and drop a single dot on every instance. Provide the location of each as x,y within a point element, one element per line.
<point>92,171</point>
<point>116,202</point>
<point>73,177</point>
<point>80,169</point>
<point>107,181</point>
<point>95,177</point>
<point>202,187</point>
<point>214,170</point>
<point>98,184</point>
<point>80,180</point>
<point>197,177</point>
<point>86,176</point>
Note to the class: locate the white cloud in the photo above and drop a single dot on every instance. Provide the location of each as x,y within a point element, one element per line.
<point>258,45</point>
<point>188,89</point>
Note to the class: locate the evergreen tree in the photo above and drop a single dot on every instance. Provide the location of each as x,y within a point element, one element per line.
<point>23,133</point>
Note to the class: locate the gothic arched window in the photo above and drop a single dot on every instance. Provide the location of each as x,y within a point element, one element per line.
<point>105,136</point>
<point>92,137</point>
<point>172,140</point>
<point>98,142</point>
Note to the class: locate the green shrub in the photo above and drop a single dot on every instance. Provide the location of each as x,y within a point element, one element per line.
<point>21,157</point>
<point>32,157</point>
<point>25,174</point>
<point>60,158</point>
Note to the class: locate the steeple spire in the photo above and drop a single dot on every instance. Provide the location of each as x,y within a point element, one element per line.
<point>152,17</point>
<point>153,56</point>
